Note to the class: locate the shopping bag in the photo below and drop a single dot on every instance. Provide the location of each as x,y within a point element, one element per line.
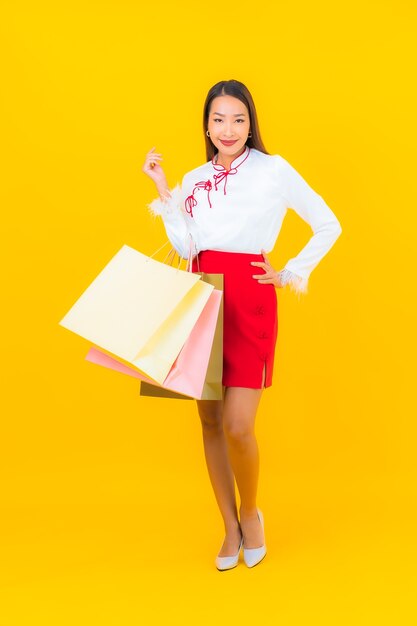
<point>98,356</point>
<point>213,385</point>
<point>156,391</point>
<point>141,310</point>
<point>188,372</point>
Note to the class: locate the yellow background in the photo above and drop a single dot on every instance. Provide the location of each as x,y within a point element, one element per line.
<point>107,513</point>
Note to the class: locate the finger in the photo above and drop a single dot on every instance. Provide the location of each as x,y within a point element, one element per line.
<point>265,256</point>
<point>259,275</point>
<point>265,282</point>
<point>152,161</point>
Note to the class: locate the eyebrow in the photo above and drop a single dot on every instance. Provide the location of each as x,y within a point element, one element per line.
<point>223,115</point>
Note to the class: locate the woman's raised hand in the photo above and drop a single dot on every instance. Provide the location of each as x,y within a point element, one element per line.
<point>152,168</point>
<point>270,276</point>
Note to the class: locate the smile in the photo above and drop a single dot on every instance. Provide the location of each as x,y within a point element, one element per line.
<point>228,143</point>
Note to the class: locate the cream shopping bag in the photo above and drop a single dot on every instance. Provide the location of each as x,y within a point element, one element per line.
<point>140,310</point>
<point>187,376</point>
<point>213,386</point>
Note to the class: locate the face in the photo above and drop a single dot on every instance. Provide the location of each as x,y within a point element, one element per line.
<point>229,125</point>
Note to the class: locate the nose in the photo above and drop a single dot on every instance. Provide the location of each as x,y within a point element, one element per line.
<point>228,131</point>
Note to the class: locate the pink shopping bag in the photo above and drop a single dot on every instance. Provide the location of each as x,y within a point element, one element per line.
<point>187,374</point>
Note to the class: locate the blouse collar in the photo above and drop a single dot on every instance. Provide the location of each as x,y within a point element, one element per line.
<point>221,176</point>
<point>235,163</point>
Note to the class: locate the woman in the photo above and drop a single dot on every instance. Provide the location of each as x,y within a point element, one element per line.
<point>232,208</point>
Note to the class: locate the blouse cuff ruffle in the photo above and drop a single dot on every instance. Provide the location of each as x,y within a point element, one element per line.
<point>296,283</point>
<point>169,206</point>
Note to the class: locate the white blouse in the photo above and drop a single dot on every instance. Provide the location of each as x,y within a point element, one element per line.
<point>242,210</point>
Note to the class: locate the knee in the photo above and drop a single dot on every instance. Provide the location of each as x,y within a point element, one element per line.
<point>210,417</point>
<point>238,433</point>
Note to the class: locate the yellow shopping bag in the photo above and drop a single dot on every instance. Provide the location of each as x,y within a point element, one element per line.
<point>140,310</point>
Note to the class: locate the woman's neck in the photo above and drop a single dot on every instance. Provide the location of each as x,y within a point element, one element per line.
<point>226,160</point>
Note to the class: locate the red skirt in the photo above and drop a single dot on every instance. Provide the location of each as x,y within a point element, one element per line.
<point>250,326</point>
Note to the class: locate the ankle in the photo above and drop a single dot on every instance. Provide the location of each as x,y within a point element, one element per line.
<point>248,513</point>
<point>232,527</point>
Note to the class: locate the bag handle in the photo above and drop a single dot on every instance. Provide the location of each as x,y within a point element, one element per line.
<point>190,254</point>
<point>156,251</point>
<point>172,252</point>
<point>170,255</point>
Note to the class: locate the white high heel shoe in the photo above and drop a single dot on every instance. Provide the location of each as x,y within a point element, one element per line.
<point>253,556</point>
<point>228,562</point>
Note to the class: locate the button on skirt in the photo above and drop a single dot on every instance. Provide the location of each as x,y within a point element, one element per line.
<point>250,326</point>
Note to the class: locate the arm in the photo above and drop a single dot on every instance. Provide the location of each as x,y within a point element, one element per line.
<point>168,205</point>
<point>312,209</point>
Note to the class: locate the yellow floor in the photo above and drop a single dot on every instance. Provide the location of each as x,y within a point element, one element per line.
<point>79,548</point>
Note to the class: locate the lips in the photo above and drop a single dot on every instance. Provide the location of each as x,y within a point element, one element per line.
<point>228,143</point>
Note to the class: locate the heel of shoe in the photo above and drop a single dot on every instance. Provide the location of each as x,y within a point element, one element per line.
<point>253,556</point>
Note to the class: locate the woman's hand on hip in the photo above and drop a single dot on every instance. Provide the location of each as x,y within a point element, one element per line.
<point>270,276</point>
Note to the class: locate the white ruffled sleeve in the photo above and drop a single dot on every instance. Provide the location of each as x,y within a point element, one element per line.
<point>172,213</point>
<point>312,209</point>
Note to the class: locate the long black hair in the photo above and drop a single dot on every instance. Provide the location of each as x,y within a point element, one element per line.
<point>241,92</point>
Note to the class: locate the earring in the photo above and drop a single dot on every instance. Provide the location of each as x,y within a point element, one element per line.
<point>208,133</point>
<point>250,135</point>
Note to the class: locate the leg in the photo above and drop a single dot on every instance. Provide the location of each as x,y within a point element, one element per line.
<point>220,471</point>
<point>239,412</point>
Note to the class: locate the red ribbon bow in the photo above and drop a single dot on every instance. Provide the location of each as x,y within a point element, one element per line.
<point>222,176</point>
<point>191,202</point>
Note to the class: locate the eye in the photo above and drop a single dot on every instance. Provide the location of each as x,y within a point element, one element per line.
<point>217,119</point>
<point>240,120</point>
